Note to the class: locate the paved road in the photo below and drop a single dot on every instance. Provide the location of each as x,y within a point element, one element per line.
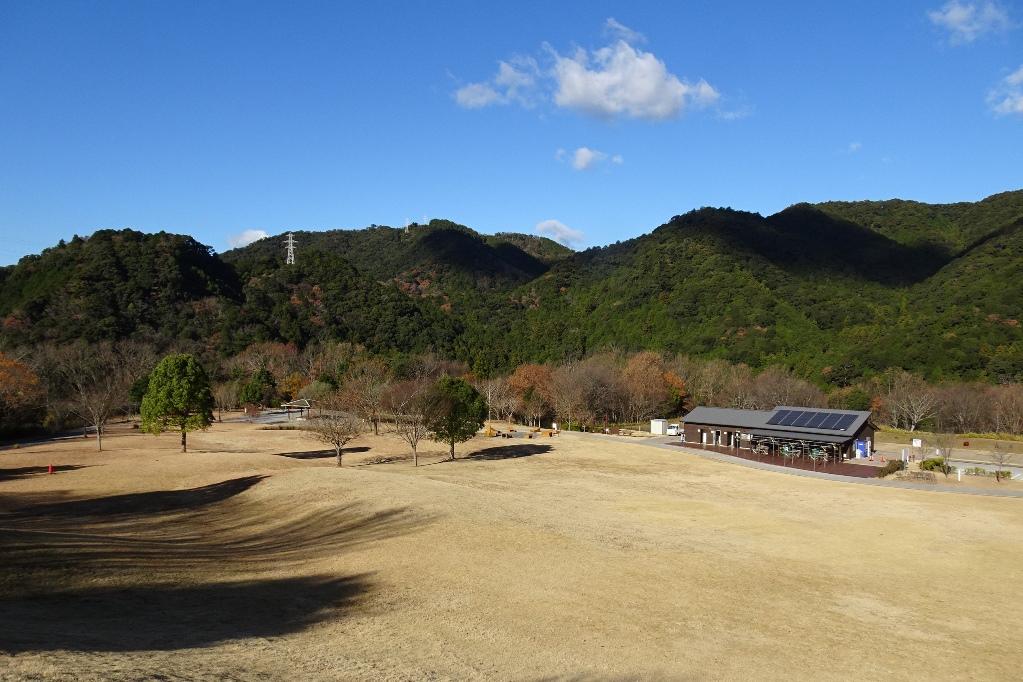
<point>668,443</point>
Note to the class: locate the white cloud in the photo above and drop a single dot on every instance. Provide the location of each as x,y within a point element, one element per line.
<point>620,31</point>
<point>1007,98</point>
<point>559,232</point>
<point>854,147</point>
<point>246,237</point>
<point>513,83</point>
<point>619,80</point>
<point>967,21</point>
<point>584,158</point>
<point>615,81</point>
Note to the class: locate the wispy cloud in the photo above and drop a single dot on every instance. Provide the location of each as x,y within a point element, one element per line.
<point>618,80</point>
<point>854,147</point>
<point>246,237</point>
<point>1007,97</point>
<point>512,84</point>
<point>968,21</point>
<point>620,31</point>
<point>560,232</point>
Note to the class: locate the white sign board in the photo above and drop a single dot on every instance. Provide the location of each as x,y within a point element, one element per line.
<point>918,443</point>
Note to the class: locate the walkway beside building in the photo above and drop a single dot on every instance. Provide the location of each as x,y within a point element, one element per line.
<point>672,444</point>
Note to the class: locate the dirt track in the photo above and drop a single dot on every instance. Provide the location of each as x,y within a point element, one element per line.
<point>560,558</point>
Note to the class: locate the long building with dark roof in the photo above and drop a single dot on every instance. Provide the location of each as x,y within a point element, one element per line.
<point>841,433</point>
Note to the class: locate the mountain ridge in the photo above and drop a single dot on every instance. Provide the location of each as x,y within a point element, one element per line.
<point>834,290</point>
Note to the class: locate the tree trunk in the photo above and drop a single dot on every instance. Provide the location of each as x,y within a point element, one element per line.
<point>376,426</point>
<point>452,450</point>
<point>184,445</point>
<point>338,456</point>
<point>99,437</point>
<point>415,456</point>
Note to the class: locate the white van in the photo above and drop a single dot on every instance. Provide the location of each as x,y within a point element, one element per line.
<point>674,430</point>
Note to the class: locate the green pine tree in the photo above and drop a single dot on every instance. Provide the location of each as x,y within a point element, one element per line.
<point>178,397</point>
<point>458,412</point>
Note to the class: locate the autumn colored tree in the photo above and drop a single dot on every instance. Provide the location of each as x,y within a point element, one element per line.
<point>20,389</point>
<point>531,383</point>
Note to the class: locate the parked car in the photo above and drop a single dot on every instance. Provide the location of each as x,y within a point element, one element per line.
<point>673,430</point>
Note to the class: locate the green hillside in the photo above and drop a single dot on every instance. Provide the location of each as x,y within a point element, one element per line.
<point>836,291</point>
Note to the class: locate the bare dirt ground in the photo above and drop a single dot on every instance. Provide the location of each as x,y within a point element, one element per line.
<point>254,557</point>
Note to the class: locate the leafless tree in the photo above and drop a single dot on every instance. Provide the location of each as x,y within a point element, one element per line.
<point>1008,408</point>
<point>409,402</point>
<point>965,407</point>
<point>98,383</point>
<point>504,400</point>
<point>777,386</point>
<point>911,399</point>
<point>364,389</point>
<point>336,426</point>
<point>1002,458</point>
<point>944,443</point>
<point>226,397</point>
<point>567,394</point>
<point>646,391</point>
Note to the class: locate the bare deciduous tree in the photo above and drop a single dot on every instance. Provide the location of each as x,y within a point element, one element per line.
<point>409,401</point>
<point>335,426</point>
<point>944,443</point>
<point>98,382</point>
<point>226,397</point>
<point>364,389</point>
<point>911,399</point>
<point>1002,458</point>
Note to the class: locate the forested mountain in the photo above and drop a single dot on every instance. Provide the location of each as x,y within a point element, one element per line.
<point>835,291</point>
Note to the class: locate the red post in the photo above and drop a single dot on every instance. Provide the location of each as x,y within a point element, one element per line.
<point>49,469</point>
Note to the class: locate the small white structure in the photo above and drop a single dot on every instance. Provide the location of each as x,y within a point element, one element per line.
<point>658,427</point>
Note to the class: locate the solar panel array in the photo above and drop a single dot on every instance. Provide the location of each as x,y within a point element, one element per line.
<point>813,419</point>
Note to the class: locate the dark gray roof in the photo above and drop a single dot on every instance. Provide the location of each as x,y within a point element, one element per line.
<point>756,421</point>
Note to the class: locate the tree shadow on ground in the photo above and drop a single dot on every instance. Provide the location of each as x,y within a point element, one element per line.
<point>171,617</point>
<point>510,452</point>
<point>321,454</point>
<point>25,472</point>
<point>153,502</point>
<point>174,569</point>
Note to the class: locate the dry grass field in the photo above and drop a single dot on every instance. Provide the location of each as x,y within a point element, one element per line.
<point>255,557</point>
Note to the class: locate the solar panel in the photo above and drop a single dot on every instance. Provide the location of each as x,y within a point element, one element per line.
<point>792,416</point>
<point>832,419</point>
<point>845,422</point>
<point>817,420</point>
<point>804,418</point>
<point>778,416</point>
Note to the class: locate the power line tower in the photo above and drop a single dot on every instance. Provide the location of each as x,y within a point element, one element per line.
<point>290,243</point>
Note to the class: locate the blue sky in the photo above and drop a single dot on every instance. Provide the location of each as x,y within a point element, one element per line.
<point>218,119</point>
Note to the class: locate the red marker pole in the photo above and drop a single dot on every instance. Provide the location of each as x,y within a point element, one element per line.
<point>50,469</point>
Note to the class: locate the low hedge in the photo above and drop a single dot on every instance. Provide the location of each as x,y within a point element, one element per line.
<point>891,467</point>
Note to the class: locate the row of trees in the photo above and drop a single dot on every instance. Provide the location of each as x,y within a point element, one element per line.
<point>77,384</point>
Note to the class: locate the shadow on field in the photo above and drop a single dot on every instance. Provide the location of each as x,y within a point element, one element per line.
<point>510,452</point>
<point>320,454</point>
<point>171,617</point>
<point>154,502</point>
<point>174,569</point>
<point>24,472</point>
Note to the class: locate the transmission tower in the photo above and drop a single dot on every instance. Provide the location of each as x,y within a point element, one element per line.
<point>290,243</point>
